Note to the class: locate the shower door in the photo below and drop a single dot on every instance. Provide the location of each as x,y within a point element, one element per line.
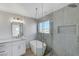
<point>45,34</point>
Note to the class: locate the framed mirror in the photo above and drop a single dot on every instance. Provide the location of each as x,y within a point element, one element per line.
<point>17,29</point>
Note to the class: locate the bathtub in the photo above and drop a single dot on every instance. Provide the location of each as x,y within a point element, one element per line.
<point>37,47</point>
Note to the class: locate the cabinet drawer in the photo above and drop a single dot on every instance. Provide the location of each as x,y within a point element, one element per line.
<point>2,45</point>
<point>3,53</point>
<point>4,48</point>
<point>5,44</point>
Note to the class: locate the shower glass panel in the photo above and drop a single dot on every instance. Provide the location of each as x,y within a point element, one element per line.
<point>44,35</point>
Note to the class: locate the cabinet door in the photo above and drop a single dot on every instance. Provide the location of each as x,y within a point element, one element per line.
<point>15,49</point>
<point>22,48</point>
<point>3,53</point>
<point>9,50</point>
<point>19,48</point>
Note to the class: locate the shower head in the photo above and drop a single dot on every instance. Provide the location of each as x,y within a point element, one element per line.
<point>73,5</point>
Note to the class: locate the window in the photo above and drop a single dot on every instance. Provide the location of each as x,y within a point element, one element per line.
<point>44,27</point>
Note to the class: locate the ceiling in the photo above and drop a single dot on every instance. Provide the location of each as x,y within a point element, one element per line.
<point>28,9</point>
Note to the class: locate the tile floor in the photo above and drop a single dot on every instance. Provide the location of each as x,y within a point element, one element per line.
<point>30,53</point>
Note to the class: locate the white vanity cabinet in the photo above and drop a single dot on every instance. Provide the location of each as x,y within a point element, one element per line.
<point>14,48</point>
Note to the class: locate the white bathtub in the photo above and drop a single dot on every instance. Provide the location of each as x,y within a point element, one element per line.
<point>37,47</point>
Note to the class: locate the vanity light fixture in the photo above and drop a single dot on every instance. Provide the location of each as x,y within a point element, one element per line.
<point>17,20</point>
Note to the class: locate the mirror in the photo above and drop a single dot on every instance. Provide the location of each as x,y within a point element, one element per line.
<point>17,29</point>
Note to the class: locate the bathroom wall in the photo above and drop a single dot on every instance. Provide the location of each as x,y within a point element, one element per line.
<point>65,44</point>
<point>29,27</point>
<point>30,30</point>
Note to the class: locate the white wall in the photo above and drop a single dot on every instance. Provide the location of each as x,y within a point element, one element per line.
<point>29,28</point>
<point>65,45</point>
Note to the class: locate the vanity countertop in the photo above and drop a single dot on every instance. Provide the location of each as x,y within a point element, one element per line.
<point>9,40</point>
